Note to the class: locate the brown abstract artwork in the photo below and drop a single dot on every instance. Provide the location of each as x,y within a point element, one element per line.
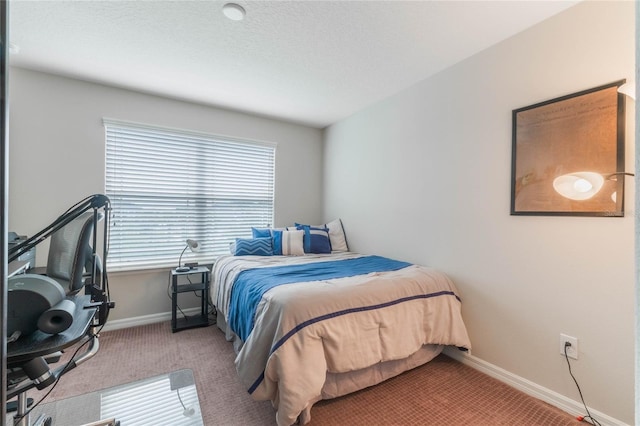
<point>574,142</point>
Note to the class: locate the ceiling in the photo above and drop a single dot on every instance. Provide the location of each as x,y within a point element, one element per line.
<point>309,62</point>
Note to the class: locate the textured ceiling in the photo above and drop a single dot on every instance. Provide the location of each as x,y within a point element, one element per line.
<point>311,62</point>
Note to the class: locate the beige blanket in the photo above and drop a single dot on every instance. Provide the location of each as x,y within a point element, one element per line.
<point>306,331</point>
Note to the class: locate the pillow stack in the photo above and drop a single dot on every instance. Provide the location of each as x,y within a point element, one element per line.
<point>295,240</point>
<point>337,237</point>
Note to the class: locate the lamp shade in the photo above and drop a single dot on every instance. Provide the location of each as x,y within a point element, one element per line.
<point>578,186</point>
<point>193,245</point>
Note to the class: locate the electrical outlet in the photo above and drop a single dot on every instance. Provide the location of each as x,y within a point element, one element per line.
<point>572,351</point>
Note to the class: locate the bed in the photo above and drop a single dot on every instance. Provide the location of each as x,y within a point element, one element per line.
<point>320,326</point>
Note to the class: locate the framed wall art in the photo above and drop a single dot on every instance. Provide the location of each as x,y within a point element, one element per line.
<point>568,155</point>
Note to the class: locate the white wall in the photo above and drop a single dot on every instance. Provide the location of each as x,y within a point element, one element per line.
<point>56,158</point>
<point>425,176</point>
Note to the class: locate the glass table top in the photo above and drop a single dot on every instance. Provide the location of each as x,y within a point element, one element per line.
<point>169,399</point>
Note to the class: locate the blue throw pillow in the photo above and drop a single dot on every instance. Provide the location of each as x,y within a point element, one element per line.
<point>276,240</point>
<point>253,247</point>
<point>316,240</point>
<point>337,237</point>
<point>261,232</point>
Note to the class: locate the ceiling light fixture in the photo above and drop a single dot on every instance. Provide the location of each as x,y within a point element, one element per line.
<point>234,11</point>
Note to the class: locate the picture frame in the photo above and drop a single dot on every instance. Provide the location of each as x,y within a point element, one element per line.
<point>568,155</point>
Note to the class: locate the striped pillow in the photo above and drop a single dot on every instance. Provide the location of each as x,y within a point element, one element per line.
<point>337,236</point>
<point>291,243</point>
<point>316,240</point>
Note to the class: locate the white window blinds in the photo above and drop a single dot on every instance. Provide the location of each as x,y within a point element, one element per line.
<point>168,185</point>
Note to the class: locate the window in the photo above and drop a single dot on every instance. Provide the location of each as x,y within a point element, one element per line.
<point>168,185</point>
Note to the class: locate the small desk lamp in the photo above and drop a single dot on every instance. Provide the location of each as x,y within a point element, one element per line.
<point>194,247</point>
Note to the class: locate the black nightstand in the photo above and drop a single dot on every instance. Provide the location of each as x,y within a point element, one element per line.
<point>196,279</point>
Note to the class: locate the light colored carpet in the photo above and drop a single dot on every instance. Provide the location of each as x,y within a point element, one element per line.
<point>442,392</point>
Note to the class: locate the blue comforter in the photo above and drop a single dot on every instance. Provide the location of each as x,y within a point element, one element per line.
<point>251,284</point>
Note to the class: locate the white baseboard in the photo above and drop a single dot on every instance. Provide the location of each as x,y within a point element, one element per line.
<point>144,320</point>
<point>562,402</point>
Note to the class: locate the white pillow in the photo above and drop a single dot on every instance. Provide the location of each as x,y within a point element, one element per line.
<point>336,236</point>
<point>292,244</point>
